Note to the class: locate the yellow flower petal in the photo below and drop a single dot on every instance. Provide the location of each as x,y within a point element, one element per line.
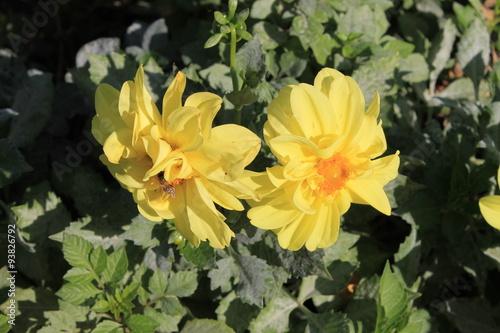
<point>324,79</point>
<point>325,230</point>
<point>222,195</point>
<point>128,172</point>
<point>280,116</point>
<point>183,129</point>
<point>287,147</point>
<point>228,151</point>
<point>303,196</point>
<point>312,110</point>
<point>245,140</point>
<point>208,104</point>
<point>258,182</point>
<point>172,100</point>
<point>205,221</point>
<point>385,169</point>
<point>115,144</point>
<point>144,207</point>
<point>272,215</point>
<point>294,235</point>
<point>108,117</point>
<point>490,208</point>
<point>127,104</point>
<point>147,106</point>
<point>369,192</point>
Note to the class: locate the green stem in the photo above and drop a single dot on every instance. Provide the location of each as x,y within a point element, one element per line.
<point>234,75</point>
<point>232,58</point>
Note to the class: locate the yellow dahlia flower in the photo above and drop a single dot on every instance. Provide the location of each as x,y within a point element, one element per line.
<point>326,144</point>
<point>175,164</point>
<point>490,208</point>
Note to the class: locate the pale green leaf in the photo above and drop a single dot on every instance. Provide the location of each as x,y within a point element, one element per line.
<point>76,251</point>
<point>116,267</point>
<point>206,326</point>
<point>138,323</point>
<point>274,317</point>
<point>182,284</point>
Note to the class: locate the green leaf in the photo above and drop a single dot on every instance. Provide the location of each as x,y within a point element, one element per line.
<point>222,275</point>
<point>167,323</point>
<point>101,306</point>
<point>419,322</point>
<point>306,29</point>
<point>220,18</point>
<point>130,292</point>
<point>440,52</point>
<point>256,280</point>
<point>107,326</point>
<point>322,48</point>
<point>275,316</point>
<point>171,306</point>
<point>363,306</point>
<point>155,38</point>
<point>116,267</point>
<point>376,75</point>
<point>12,163</point>
<point>4,323</point>
<point>98,259</point>
<point>407,259</point>
<point>270,35</point>
<point>113,69</point>
<point>201,256</point>
<point>261,9</point>
<point>473,51</point>
<point>105,45</point>
<point>76,251</point>
<point>396,45</point>
<point>62,321</point>
<point>33,103</point>
<point>251,63</point>
<point>183,283</point>
<point>303,262</point>
<point>328,322</point>
<point>77,293</point>
<point>206,326</point>
<point>218,76</point>
<point>41,214</point>
<point>414,68</point>
<point>341,249</point>
<point>138,323</point>
<point>242,97</point>
<point>158,283</point>
<point>392,301</point>
<point>213,40</point>
<point>79,275</point>
<point>235,313</point>
<point>369,21</point>
<point>142,232</point>
<point>293,63</point>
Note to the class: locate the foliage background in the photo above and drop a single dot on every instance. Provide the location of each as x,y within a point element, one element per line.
<point>87,262</point>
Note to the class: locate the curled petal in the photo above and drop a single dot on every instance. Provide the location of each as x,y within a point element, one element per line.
<point>172,100</point>
<point>208,104</point>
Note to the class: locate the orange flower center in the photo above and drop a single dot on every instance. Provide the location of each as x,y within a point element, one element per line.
<point>335,171</point>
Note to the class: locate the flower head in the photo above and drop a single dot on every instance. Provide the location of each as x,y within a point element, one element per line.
<point>326,145</point>
<point>175,164</point>
<point>490,208</point>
